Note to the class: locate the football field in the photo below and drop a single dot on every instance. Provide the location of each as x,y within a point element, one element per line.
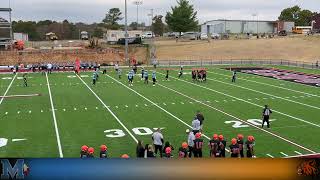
<point>59,112</point>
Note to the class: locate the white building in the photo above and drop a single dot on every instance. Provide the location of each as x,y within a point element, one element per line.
<point>245,26</point>
<point>115,35</point>
<point>21,36</point>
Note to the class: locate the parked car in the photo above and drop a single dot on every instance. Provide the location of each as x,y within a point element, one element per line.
<point>215,36</point>
<point>203,36</point>
<point>190,35</point>
<point>282,33</point>
<point>147,35</point>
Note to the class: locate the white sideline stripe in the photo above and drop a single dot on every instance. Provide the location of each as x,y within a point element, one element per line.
<point>303,155</point>
<point>270,85</point>
<point>234,117</point>
<point>109,110</point>
<point>298,152</point>
<point>5,93</point>
<point>278,97</point>
<point>54,119</point>
<point>175,117</point>
<point>269,155</point>
<point>286,155</point>
<point>299,119</point>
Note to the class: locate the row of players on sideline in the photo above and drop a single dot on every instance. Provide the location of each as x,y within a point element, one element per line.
<point>217,147</point>
<point>193,146</point>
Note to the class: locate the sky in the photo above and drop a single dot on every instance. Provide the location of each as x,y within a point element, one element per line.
<point>90,11</point>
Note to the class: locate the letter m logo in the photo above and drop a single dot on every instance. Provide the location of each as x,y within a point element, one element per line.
<point>15,172</point>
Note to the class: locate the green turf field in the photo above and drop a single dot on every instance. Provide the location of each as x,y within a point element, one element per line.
<point>71,112</point>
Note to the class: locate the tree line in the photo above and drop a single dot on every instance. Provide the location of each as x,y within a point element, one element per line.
<point>181,18</point>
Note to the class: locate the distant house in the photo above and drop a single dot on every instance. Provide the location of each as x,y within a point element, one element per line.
<point>316,22</point>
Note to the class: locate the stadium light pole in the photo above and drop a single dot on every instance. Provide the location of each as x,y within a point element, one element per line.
<point>137,3</point>
<point>126,33</point>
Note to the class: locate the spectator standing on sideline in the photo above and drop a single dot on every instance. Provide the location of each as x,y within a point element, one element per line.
<point>140,149</point>
<point>196,125</point>
<point>157,138</point>
<point>191,139</point>
<point>200,117</point>
<point>150,152</point>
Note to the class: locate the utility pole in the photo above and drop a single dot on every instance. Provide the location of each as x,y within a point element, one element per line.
<point>126,34</point>
<point>138,3</point>
<point>151,21</point>
<point>10,19</point>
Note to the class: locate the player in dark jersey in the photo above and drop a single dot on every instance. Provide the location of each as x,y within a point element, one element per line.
<point>25,82</point>
<point>142,73</point>
<point>234,148</point>
<point>103,151</point>
<point>234,76</point>
<point>84,151</point>
<point>90,152</point>
<point>167,75</point>
<point>249,145</point>
<point>193,75</point>
<point>213,146</point>
<point>198,145</point>
<point>204,76</point>
<point>181,72</point>
<point>240,143</point>
<point>222,146</point>
<point>183,150</point>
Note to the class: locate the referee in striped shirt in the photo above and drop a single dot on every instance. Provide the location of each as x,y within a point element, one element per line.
<point>266,115</point>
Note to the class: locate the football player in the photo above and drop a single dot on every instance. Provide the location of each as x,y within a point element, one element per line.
<point>250,145</point>
<point>168,153</point>
<point>222,146</point>
<point>94,78</point>
<point>154,78</point>
<point>183,150</point>
<point>240,143</point>
<point>119,73</point>
<point>142,73</point>
<point>146,77</point>
<point>167,75</point>
<point>213,146</point>
<point>84,151</point>
<point>234,148</point>
<point>90,152</point>
<point>130,78</point>
<point>198,145</point>
<point>25,82</point>
<point>103,151</point>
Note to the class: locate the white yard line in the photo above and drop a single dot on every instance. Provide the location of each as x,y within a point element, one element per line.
<point>175,117</point>
<point>269,85</point>
<point>270,155</point>
<point>234,117</point>
<point>278,97</point>
<point>298,152</point>
<point>54,119</point>
<point>5,93</point>
<point>134,138</point>
<point>284,114</point>
<point>303,155</point>
<point>286,155</point>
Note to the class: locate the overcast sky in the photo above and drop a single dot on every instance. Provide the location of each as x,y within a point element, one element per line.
<point>90,11</point>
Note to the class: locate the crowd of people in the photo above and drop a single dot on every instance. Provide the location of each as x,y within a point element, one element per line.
<point>199,75</point>
<point>239,147</point>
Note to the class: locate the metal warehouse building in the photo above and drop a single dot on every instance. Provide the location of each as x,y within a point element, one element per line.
<point>245,26</point>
